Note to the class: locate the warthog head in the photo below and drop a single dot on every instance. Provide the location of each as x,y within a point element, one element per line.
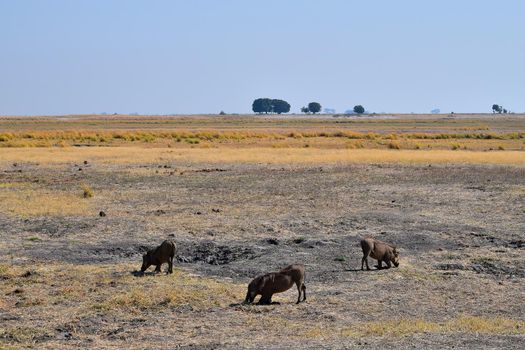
<point>250,297</point>
<point>146,262</point>
<point>252,291</point>
<point>395,258</point>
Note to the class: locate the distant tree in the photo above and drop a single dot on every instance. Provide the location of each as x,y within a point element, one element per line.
<point>329,110</point>
<point>222,113</point>
<point>262,105</point>
<point>280,106</point>
<point>497,108</point>
<point>359,109</point>
<point>504,111</point>
<point>305,110</point>
<point>314,107</point>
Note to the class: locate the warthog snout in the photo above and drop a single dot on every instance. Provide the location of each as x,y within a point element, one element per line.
<point>145,263</point>
<point>396,257</point>
<point>250,297</point>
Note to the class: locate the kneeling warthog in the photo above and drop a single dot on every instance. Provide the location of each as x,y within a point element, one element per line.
<point>164,253</point>
<point>277,282</point>
<point>380,251</point>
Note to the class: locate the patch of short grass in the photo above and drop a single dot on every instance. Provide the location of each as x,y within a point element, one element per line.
<point>394,145</point>
<point>32,201</point>
<point>389,328</point>
<point>462,324</point>
<point>249,155</point>
<point>172,290</point>
<point>87,192</point>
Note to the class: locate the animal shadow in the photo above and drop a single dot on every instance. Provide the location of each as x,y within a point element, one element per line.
<point>253,304</point>
<point>359,270</point>
<point>138,273</point>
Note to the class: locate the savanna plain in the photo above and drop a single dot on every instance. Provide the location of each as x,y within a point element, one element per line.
<point>83,197</point>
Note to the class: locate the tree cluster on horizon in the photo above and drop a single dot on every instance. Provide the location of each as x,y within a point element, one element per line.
<point>498,109</point>
<point>313,107</point>
<point>268,105</point>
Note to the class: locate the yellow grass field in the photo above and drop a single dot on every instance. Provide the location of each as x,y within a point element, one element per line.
<point>127,155</point>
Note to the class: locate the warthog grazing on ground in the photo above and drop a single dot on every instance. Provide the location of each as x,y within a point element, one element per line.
<point>277,282</point>
<point>164,253</point>
<point>380,251</point>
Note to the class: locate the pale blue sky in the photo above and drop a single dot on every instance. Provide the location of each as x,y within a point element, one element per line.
<point>203,56</point>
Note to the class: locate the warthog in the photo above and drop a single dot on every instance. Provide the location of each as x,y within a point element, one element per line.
<point>277,282</point>
<point>164,253</point>
<point>380,251</point>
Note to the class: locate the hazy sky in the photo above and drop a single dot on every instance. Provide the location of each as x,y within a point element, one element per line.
<point>203,56</point>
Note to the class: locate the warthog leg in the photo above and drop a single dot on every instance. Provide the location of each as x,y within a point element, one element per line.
<point>299,289</point>
<point>170,263</point>
<point>365,261</point>
<point>157,269</point>
<point>265,300</point>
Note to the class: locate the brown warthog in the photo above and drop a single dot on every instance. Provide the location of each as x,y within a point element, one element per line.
<point>277,282</point>
<point>164,253</point>
<point>380,251</point>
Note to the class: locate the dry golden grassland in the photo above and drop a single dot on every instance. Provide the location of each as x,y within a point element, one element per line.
<point>238,131</point>
<point>289,155</point>
<point>25,199</point>
<point>63,295</point>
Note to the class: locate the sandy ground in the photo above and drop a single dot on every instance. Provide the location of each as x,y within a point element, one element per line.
<point>67,273</point>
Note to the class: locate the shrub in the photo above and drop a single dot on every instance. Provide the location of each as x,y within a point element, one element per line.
<point>394,145</point>
<point>87,191</point>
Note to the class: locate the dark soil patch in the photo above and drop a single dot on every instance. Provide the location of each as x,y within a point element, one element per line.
<point>211,253</point>
<point>449,266</point>
<point>496,269</point>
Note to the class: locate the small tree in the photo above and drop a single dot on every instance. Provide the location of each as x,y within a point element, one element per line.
<point>359,109</point>
<point>280,106</point>
<point>314,107</point>
<point>497,108</point>
<point>262,105</point>
<point>305,110</point>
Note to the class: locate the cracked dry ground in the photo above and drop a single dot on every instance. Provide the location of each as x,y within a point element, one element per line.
<point>66,273</point>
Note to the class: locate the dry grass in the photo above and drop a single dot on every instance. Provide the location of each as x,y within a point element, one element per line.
<point>130,155</point>
<point>114,287</point>
<point>64,294</point>
<point>59,294</point>
<point>87,192</point>
<point>180,288</point>
<point>462,324</point>
<point>26,200</point>
<point>61,138</point>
